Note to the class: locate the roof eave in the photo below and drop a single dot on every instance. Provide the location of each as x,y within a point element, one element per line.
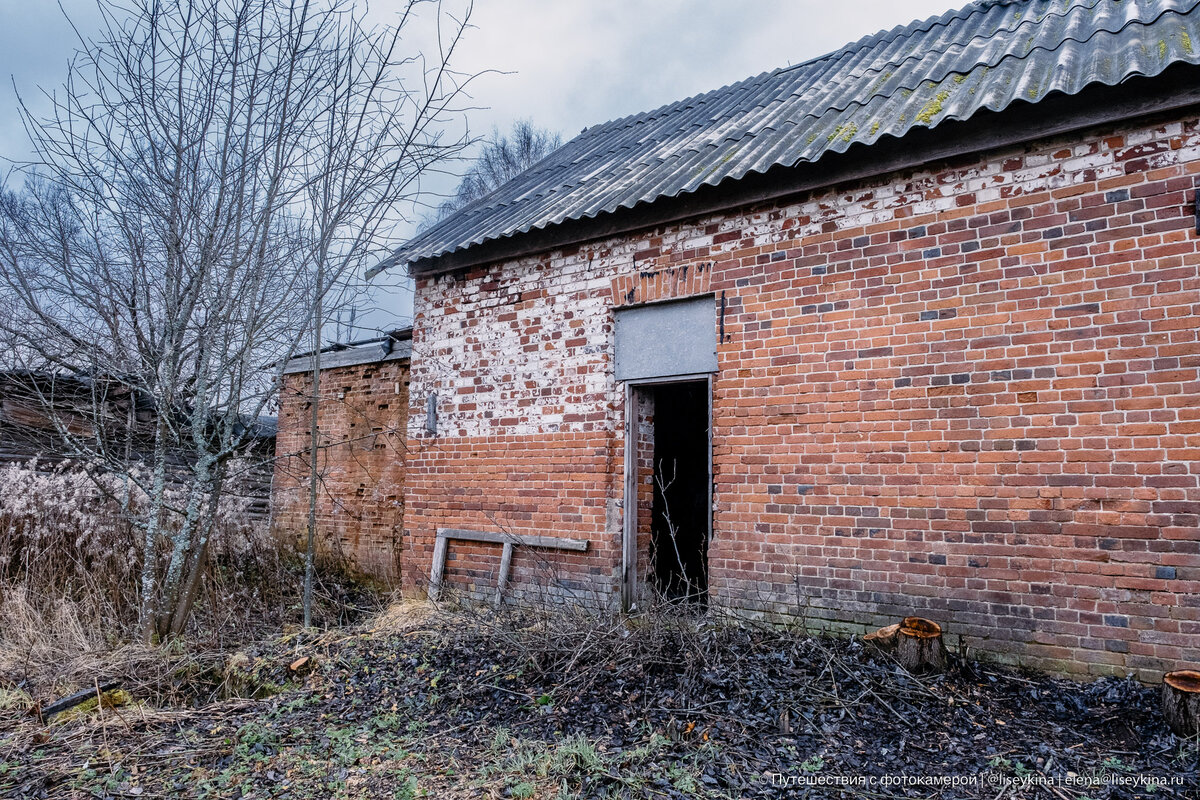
<point>1175,88</point>
<point>394,346</point>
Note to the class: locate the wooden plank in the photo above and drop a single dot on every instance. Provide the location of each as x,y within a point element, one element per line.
<point>509,540</point>
<point>495,537</point>
<point>505,566</point>
<point>73,700</point>
<point>629,510</point>
<point>438,567</point>
<point>708,455</point>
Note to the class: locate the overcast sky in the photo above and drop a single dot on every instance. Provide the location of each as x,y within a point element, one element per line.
<point>566,64</point>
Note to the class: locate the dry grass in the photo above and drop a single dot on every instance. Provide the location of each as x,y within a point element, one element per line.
<point>51,649</point>
<point>558,703</point>
<point>402,616</point>
<point>69,592</point>
<point>51,638</point>
<point>470,701</point>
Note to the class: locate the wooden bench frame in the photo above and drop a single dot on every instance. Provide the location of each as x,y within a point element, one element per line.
<point>509,540</point>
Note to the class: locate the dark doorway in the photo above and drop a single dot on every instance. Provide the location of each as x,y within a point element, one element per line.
<point>680,509</point>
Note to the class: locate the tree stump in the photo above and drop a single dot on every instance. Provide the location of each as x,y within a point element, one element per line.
<point>884,638</point>
<point>919,646</point>
<point>1181,701</point>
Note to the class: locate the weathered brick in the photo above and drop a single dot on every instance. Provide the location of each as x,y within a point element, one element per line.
<point>985,413</point>
<point>363,417</point>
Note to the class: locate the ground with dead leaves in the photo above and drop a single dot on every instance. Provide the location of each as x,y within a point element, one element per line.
<point>467,704</point>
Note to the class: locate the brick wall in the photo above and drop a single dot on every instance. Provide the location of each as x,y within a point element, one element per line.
<point>360,507</point>
<point>970,392</point>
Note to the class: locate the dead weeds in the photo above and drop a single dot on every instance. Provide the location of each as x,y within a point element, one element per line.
<point>478,703</point>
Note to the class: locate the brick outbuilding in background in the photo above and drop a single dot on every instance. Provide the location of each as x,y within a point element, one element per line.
<point>362,416</point>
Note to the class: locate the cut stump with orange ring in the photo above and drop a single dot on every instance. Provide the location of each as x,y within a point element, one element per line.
<point>919,646</point>
<point>1181,701</point>
<point>915,642</point>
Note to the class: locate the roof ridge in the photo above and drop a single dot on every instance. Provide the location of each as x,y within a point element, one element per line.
<point>1004,56</point>
<point>890,35</point>
<point>987,55</point>
<point>651,113</point>
<point>882,37</point>
<point>1073,6</point>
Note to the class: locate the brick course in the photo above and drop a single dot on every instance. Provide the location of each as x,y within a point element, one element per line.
<point>970,392</point>
<point>360,503</point>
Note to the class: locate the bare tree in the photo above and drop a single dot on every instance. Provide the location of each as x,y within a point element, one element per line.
<point>503,158</point>
<point>211,175</point>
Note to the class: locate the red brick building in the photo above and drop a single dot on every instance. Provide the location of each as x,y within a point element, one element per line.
<point>362,413</point>
<point>910,328</point>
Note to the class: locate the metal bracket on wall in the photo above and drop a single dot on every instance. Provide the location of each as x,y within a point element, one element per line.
<point>1196,203</point>
<point>431,414</point>
<point>444,535</point>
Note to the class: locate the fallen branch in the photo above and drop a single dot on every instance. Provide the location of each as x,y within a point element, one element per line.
<point>72,700</point>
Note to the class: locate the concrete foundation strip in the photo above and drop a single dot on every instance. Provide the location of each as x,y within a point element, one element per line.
<point>509,541</point>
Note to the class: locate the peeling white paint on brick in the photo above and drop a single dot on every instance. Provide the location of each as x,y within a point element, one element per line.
<point>522,342</point>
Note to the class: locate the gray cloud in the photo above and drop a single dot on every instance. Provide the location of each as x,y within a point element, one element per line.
<point>566,64</point>
<point>581,63</point>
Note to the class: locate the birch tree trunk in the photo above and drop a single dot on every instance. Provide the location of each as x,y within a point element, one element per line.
<point>152,526</point>
<point>187,597</point>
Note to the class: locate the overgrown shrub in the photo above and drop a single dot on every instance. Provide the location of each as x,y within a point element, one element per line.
<point>70,561</point>
<point>68,534</point>
<point>63,532</point>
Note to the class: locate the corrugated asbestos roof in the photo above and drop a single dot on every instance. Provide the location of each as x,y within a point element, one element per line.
<point>987,55</point>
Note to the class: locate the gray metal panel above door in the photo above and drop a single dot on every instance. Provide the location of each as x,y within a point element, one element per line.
<point>666,339</point>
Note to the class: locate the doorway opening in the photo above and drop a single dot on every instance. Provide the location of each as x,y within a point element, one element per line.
<point>673,476</point>
<point>679,509</point>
